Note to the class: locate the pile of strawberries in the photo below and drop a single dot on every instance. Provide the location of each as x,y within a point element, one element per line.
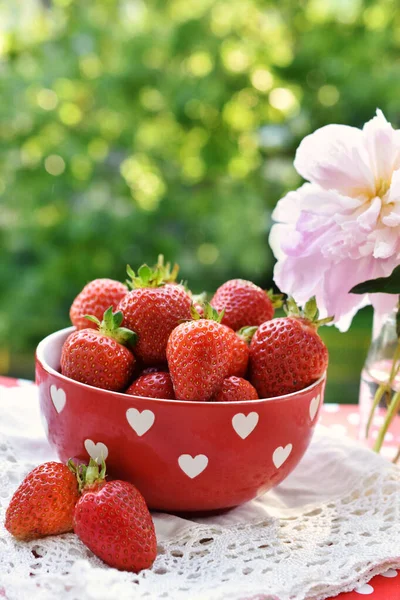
<point>156,339</point>
<point>110,517</point>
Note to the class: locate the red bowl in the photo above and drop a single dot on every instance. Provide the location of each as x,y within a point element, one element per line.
<point>183,456</point>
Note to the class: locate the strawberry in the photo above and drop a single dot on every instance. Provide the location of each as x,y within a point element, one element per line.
<point>153,309</point>
<point>245,303</point>
<point>112,520</point>
<point>287,354</point>
<point>153,385</point>
<point>94,300</point>
<point>44,503</point>
<point>199,354</point>
<point>235,389</point>
<point>240,344</point>
<point>99,357</point>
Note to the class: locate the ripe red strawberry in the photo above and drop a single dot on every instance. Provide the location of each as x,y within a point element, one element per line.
<point>44,503</point>
<point>235,389</point>
<point>112,520</point>
<point>99,358</point>
<point>199,355</point>
<point>153,309</point>
<point>241,352</point>
<point>153,385</point>
<point>245,303</point>
<point>287,354</point>
<point>94,300</point>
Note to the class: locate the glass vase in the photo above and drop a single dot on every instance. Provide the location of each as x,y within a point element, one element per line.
<point>377,371</point>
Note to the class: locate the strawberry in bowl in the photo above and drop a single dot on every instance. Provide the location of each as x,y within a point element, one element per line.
<point>200,430</point>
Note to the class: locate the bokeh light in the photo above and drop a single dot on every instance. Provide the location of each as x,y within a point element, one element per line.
<point>54,164</point>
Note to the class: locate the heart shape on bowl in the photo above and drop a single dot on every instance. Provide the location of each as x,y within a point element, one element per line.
<point>244,425</point>
<point>281,455</point>
<point>140,422</point>
<point>97,451</point>
<point>314,404</point>
<point>58,398</point>
<point>365,590</point>
<point>192,466</point>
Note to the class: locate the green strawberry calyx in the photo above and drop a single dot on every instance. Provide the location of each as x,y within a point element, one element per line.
<point>209,313</point>
<point>246,333</point>
<point>198,298</point>
<point>276,299</point>
<point>88,476</point>
<point>110,327</point>
<point>152,277</point>
<point>309,313</point>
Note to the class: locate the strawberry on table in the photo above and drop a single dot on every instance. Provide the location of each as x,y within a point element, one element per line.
<point>245,303</point>
<point>240,343</point>
<point>157,384</point>
<point>199,354</point>
<point>100,357</point>
<point>94,300</point>
<point>113,521</point>
<point>153,309</point>
<point>44,503</point>
<point>235,389</point>
<point>287,354</point>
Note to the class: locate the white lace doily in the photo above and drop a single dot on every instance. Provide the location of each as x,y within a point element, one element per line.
<point>331,526</point>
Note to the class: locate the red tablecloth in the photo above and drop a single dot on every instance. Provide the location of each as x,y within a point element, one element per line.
<point>345,420</point>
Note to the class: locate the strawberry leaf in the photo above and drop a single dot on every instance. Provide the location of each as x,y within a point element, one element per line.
<point>276,299</point>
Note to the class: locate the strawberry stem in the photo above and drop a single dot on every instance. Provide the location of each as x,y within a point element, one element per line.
<point>276,299</point>
<point>88,475</point>
<point>310,312</point>
<point>110,327</point>
<point>153,277</point>
<point>246,333</point>
<point>209,313</point>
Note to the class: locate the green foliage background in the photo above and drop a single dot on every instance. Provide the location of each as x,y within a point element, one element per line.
<point>129,128</point>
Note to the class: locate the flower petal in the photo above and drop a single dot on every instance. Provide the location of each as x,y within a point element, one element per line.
<point>387,243</point>
<point>339,279</point>
<point>301,277</point>
<point>391,209</point>
<point>383,145</point>
<point>288,208</point>
<point>368,219</point>
<point>335,158</point>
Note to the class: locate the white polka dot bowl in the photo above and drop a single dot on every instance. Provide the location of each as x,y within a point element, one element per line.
<point>183,456</point>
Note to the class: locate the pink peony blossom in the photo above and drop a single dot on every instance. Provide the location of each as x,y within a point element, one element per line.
<point>343,227</point>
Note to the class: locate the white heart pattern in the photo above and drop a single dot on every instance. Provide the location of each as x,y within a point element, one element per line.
<point>192,466</point>
<point>140,422</point>
<point>244,425</point>
<point>390,573</point>
<point>281,455</point>
<point>365,589</point>
<point>44,424</point>
<point>97,451</point>
<point>58,398</point>
<point>314,404</point>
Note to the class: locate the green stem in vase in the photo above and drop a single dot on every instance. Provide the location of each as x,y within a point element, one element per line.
<point>391,412</point>
<point>385,387</point>
<point>377,398</point>
<point>396,458</point>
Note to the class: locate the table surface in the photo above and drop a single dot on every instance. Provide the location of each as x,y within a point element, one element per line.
<point>344,419</point>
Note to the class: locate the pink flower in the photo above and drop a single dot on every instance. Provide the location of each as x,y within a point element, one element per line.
<point>343,227</point>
